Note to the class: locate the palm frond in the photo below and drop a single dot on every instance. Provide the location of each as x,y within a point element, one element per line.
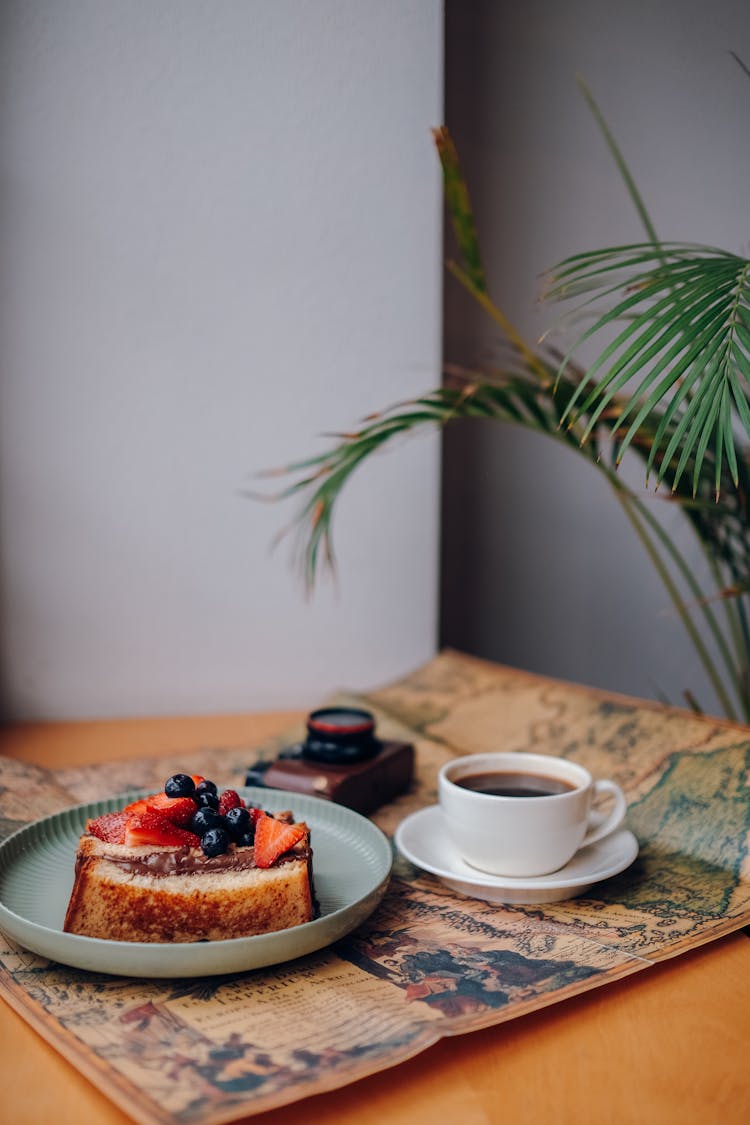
<point>619,160</point>
<point>459,208</point>
<point>320,480</point>
<point>685,344</point>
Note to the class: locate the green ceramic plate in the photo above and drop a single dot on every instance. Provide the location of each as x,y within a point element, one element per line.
<point>352,864</point>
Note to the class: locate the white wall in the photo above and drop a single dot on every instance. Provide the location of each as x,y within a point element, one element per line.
<point>540,568</point>
<point>220,236</point>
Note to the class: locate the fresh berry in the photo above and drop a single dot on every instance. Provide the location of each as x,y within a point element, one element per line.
<point>204,819</point>
<point>255,815</point>
<point>180,810</point>
<point>204,786</point>
<point>110,827</point>
<point>273,838</point>
<point>140,806</point>
<point>246,841</point>
<point>237,821</point>
<point>230,799</point>
<point>215,841</point>
<point>179,785</point>
<point>151,827</point>
<point>207,800</point>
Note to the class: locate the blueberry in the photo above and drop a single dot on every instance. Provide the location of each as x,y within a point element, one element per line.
<point>206,799</point>
<point>206,786</point>
<point>237,822</point>
<point>215,841</point>
<point>204,819</point>
<point>179,785</point>
<point>245,841</point>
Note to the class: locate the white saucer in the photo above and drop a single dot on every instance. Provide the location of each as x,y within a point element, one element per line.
<point>422,839</point>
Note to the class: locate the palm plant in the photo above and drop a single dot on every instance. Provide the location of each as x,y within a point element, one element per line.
<point>671,389</point>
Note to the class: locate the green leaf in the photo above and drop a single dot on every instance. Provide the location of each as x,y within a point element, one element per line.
<point>459,208</point>
<point>654,335</point>
<point>619,160</point>
<point>691,303</point>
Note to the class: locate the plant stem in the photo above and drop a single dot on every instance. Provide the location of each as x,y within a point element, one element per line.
<point>629,505</point>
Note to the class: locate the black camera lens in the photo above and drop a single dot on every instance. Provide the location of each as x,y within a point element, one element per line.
<point>340,735</point>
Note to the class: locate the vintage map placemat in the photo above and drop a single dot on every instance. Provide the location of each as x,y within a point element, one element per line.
<point>428,963</point>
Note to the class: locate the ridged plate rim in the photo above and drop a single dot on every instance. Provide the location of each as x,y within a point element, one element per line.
<point>367,862</point>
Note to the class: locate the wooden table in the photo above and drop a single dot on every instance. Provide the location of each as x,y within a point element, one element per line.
<point>668,1045</point>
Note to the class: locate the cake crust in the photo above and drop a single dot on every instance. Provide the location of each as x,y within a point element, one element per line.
<point>111,902</point>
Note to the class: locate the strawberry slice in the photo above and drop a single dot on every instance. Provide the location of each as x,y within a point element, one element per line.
<point>273,838</point>
<point>179,810</point>
<point>230,799</point>
<point>143,805</point>
<point>152,827</point>
<point>110,827</point>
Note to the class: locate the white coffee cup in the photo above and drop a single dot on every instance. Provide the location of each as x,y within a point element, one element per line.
<point>503,831</point>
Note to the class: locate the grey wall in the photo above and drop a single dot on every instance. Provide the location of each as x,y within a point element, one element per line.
<point>540,569</point>
<point>220,231</point>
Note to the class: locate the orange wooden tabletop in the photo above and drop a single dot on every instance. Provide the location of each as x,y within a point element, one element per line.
<point>667,1045</point>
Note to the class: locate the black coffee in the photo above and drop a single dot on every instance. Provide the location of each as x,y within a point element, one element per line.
<point>515,784</point>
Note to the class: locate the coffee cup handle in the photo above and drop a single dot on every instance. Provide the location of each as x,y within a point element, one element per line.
<point>616,816</point>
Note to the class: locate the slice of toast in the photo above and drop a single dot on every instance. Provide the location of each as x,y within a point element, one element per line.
<point>178,894</point>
